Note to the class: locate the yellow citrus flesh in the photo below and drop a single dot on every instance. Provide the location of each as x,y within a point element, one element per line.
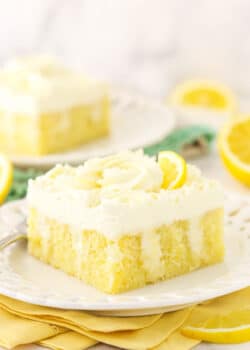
<point>222,320</point>
<point>234,148</point>
<point>204,94</point>
<point>205,97</point>
<point>219,335</point>
<point>6,177</point>
<point>174,169</point>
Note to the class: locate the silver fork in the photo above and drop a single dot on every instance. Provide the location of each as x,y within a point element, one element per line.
<point>18,233</point>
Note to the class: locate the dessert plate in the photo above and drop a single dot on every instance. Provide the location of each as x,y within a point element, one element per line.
<point>136,122</point>
<point>25,278</point>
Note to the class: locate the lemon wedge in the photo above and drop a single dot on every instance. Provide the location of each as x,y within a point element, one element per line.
<point>232,335</point>
<point>222,320</point>
<point>203,94</point>
<point>174,169</point>
<point>6,177</point>
<point>234,148</point>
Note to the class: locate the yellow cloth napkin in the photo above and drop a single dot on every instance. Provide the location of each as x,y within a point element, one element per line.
<point>128,332</point>
<point>23,323</point>
<point>177,341</point>
<point>18,331</point>
<point>146,338</point>
<point>76,320</point>
<point>68,341</point>
<point>75,341</point>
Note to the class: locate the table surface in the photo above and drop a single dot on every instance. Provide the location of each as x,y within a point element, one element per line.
<point>211,167</point>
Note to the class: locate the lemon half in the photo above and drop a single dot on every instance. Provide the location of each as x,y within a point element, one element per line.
<point>234,148</point>
<point>203,94</point>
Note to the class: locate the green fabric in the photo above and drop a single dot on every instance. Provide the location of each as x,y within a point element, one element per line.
<point>20,183</point>
<point>180,137</point>
<point>175,142</point>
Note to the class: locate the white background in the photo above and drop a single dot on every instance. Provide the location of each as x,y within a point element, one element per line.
<point>149,44</point>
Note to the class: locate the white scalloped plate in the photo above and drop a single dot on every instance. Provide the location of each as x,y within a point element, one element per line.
<point>25,278</point>
<point>135,122</point>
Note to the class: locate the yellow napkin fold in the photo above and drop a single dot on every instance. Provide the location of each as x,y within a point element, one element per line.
<point>146,338</point>
<point>140,332</point>
<point>177,341</point>
<point>75,341</point>
<point>68,341</point>
<point>76,320</point>
<point>164,332</point>
<point>18,331</point>
<point>23,323</point>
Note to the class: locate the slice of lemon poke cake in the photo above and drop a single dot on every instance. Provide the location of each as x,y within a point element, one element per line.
<point>126,220</point>
<point>47,108</point>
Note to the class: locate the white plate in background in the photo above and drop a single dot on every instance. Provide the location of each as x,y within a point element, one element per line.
<point>136,122</point>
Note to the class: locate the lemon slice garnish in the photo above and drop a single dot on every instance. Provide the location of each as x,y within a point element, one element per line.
<point>174,169</point>
<point>230,335</point>
<point>203,94</point>
<point>6,177</point>
<point>234,148</point>
<point>222,320</point>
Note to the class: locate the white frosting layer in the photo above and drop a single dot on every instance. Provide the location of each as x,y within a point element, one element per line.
<point>121,195</point>
<point>36,85</point>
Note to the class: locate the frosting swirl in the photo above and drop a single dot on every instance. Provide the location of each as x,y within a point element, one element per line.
<point>112,176</point>
<point>127,171</point>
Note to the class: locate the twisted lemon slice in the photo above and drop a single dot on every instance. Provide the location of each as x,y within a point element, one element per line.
<point>234,148</point>
<point>232,335</point>
<point>223,320</point>
<point>174,169</point>
<point>6,177</point>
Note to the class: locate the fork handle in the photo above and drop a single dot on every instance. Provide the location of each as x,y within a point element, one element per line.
<point>12,238</point>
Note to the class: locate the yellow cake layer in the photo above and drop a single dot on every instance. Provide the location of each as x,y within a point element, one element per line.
<point>53,132</point>
<point>125,264</point>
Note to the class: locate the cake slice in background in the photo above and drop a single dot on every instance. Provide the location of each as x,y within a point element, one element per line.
<point>113,223</point>
<point>47,108</point>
